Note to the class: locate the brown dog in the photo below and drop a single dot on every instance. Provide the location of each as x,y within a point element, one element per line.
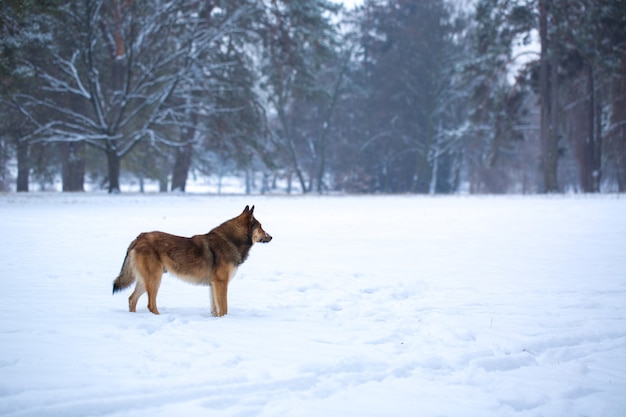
<point>211,259</point>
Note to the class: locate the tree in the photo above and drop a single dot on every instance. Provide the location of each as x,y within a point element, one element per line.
<point>410,105</point>
<point>497,104</point>
<point>112,85</point>
<point>579,62</point>
<point>23,33</point>
<point>615,20</point>
<point>549,98</point>
<point>298,39</point>
<point>594,31</point>
<point>224,79</point>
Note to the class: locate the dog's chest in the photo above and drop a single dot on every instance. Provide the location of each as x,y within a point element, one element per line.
<point>233,271</point>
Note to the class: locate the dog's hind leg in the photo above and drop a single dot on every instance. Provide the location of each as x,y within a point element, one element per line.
<point>152,287</point>
<point>149,272</point>
<point>134,297</point>
<point>152,283</point>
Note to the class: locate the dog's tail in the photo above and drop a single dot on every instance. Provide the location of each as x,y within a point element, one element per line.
<point>127,273</point>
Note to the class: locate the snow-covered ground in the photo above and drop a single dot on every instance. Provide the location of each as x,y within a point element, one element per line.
<point>360,306</point>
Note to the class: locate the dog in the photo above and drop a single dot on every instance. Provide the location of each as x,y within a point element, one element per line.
<point>210,259</point>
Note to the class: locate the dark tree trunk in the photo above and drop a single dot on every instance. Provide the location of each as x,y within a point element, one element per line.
<point>296,167</point>
<point>552,149</point>
<point>549,99</point>
<point>423,168</point>
<point>163,184</point>
<point>23,166</point>
<point>113,164</point>
<point>586,133</point>
<point>73,169</point>
<point>4,158</point>
<point>182,163</point>
<point>291,149</point>
<point>617,139</point>
<point>423,173</point>
<point>589,156</point>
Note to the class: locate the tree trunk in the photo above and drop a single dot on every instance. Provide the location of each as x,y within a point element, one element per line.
<point>291,149</point>
<point>163,184</point>
<point>113,164</point>
<point>4,158</point>
<point>182,163</point>
<point>617,139</point>
<point>295,165</point>
<point>289,182</point>
<point>73,169</point>
<point>321,167</point>
<point>549,99</point>
<point>326,123</point>
<point>23,166</point>
<point>423,173</point>
<point>552,149</point>
<point>589,158</point>
<point>423,168</point>
<point>248,183</point>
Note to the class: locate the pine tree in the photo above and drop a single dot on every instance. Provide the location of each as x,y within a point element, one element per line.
<point>298,40</point>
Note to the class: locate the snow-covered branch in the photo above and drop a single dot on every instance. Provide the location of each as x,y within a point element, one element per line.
<point>61,85</point>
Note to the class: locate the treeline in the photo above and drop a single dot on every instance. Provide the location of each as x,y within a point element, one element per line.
<point>423,96</point>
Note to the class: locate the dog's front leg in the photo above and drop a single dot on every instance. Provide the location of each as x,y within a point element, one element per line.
<point>213,304</point>
<point>219,289</point>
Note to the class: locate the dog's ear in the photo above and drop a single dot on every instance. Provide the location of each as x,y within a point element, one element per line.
<point>248,211</point>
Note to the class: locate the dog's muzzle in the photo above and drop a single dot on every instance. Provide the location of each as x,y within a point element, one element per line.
<point>266,238</point>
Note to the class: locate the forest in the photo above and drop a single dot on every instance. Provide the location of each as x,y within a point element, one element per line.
<point>309,96</point>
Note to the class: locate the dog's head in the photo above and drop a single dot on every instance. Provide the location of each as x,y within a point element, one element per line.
<point>256,230</point>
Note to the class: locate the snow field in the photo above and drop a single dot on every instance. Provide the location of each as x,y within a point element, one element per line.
<point>370,306</point>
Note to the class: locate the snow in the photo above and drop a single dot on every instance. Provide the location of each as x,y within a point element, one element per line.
<point>368,306</point>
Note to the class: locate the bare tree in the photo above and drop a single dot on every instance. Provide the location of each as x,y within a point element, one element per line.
<point>113,84</point>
